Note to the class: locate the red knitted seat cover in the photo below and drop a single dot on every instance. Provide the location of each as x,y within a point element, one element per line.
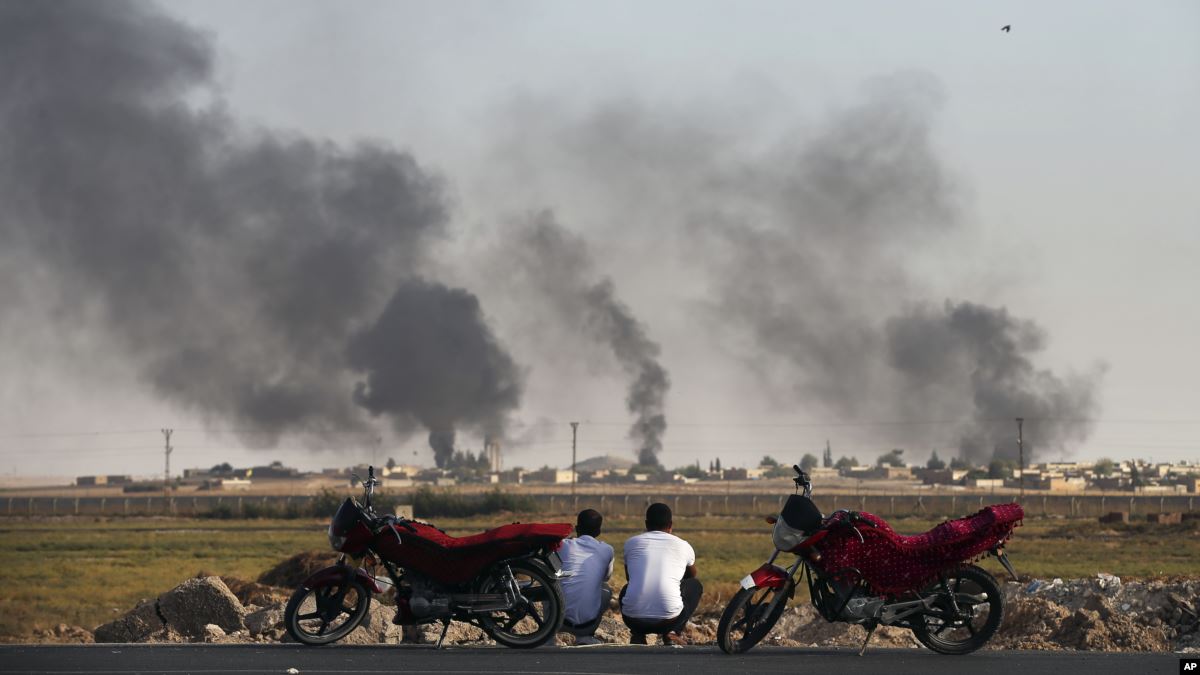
<point>454,560</point>
<point>893,564</point>
<point>539,532</point>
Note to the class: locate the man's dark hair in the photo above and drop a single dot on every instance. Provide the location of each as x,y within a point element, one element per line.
<point>588,522</point>
<point>658,516</point>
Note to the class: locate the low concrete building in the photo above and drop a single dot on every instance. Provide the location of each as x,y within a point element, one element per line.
<point>91,481</point>
<point>943,476</point>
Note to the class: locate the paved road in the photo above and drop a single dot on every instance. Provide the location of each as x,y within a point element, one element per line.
<point>580,660</point>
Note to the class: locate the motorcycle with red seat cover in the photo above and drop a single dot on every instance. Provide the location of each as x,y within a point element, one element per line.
<point>505,580</point>
<point>862,572</point>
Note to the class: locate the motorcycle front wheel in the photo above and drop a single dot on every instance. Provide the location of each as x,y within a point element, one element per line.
<point>537,616</point>
<point>980,608</point>
<point>748,618</point>
<point>323,615</point>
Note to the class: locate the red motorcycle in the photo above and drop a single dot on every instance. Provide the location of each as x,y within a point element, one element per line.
<point>505,580</point>
<point>860,571</point>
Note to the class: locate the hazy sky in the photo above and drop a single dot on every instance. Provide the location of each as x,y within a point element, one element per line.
<point>1071,142</point>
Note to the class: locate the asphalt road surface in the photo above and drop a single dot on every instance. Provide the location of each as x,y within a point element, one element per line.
<point>654,660</point>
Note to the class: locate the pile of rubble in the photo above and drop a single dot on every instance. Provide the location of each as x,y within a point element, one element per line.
<point>1099,613</point>
<point>1102,613</point>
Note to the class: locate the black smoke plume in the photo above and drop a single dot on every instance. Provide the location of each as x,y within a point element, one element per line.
<point>984,352</point>
<point>848,208</point>
<point>559,266</point>
<point>462,377</point>
<point>231,265</point>
<point>804,244</point>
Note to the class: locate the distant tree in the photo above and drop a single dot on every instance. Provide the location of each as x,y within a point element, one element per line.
<point>768,461</point>
<point>892,458</point>
<point>827,457</point>
<point>977,473</point>
<point>959,463</point>
<point>808,461</point>
<point>1104,466</point>
<point>845,462</point>
<point>1000,468</point>
<point>935,462</point>
<point>1135,475</point>
<point>690,471</point>
<point>221,469</point>
<point>718,464</point>
<point>711,467</point>
<point>391,464</point>
<point>277,464</point>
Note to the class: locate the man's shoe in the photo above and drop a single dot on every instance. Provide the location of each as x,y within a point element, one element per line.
<point>637,638</point>
<point>586,640</point>
<point>672,640</point>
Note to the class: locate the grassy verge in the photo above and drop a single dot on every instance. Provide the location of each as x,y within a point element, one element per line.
<point>86,571</point>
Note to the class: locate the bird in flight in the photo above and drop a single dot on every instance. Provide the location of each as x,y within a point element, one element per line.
<point>1007,28</point>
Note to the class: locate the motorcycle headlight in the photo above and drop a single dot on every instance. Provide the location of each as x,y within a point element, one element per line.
<point>335,540</point>
<point>784,537</point>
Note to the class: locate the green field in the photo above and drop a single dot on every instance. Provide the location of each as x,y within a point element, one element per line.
<point>85,571</point>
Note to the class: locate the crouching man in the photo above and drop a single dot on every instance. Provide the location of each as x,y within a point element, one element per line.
<point>588,563</point>
<point>663,590</point>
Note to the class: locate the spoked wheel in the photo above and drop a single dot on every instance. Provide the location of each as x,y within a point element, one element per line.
<point>964,619</point>
<point>749,617</point>
<point>538,614</point>
<point>323,615</point>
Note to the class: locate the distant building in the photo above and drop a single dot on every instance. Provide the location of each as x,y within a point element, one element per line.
<point>118,479</point>
<point>91,481</point>
<point>491,448</point>
<point>550,476</point>
<point>943,476</point>
<point>510,477</point>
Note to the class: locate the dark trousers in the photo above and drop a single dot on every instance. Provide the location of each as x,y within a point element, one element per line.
<point>589,629</point>
<point>690,589</point>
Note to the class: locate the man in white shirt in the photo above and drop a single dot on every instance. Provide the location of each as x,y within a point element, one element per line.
<point>588,563</point>
<point>663,590</point>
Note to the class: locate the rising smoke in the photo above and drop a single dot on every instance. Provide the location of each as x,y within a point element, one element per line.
<point>232,266</point>
<point>803,247</point>
<point>462,376</point>
<point>826,289</point>
<point>559,268</point>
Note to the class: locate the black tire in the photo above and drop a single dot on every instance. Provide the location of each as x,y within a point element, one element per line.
<point>323,615</point>
<point>538,620</point>
<point>745,622</point>
<point>976,622</point>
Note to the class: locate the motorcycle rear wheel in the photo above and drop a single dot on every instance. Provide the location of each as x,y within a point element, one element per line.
<point>745,621</point>
<point>538,619</point>
<point>323,615</point>
<point>976,623</point>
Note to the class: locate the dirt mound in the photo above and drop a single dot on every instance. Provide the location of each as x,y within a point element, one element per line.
<point>64,634</point>
<point>292,572</point>
<point>1100,613</point>
<point>1028,623</point>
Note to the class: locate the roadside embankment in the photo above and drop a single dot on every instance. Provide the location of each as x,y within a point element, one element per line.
<point>1100,613</point>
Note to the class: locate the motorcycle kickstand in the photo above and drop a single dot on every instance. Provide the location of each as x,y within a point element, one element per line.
<point>445,629</point>
<point>870,632</point>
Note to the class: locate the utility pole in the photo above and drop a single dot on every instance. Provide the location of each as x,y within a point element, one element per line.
<point>1021,453</point>
<point>574,435</point>
<point>167,473</point>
